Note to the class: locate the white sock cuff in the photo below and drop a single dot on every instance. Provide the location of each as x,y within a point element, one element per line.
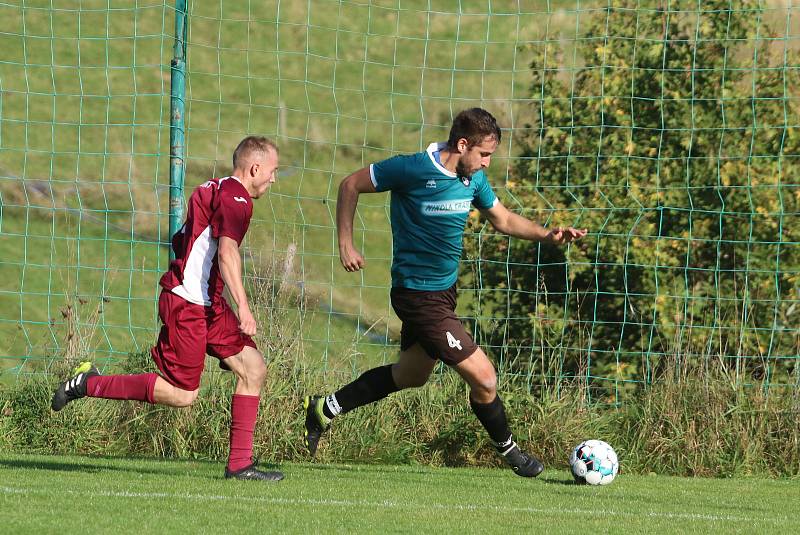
<point>506,446</point>
<point>333,405</point>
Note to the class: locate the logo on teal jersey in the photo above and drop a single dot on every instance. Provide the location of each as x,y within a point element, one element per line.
<point>430,183</point>
<point>458,206</point>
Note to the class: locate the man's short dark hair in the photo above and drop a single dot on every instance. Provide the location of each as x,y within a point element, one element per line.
<point>248,146</point>
<point>474,125</point>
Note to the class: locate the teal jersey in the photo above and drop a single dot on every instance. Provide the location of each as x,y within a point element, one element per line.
<point>429,208</point>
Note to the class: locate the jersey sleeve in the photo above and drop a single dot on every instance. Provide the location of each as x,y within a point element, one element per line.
<point>390,174</point>
<point>232,217</point>
<point>484,194</point>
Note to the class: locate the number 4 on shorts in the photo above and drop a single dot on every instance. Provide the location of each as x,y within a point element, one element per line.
<point>452,341</point>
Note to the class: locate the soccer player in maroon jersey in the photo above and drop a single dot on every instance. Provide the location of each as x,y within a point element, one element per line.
<point>196,317</point>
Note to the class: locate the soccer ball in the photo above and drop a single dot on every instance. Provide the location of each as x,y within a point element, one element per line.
<point>594,462</point>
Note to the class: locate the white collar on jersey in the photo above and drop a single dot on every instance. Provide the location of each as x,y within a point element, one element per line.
<point>236,178</point>
<point>438,147</point>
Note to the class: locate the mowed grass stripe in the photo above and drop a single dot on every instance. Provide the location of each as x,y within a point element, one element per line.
<point>386,504</point>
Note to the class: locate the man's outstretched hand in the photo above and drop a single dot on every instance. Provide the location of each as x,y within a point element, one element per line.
<point>562,235</point>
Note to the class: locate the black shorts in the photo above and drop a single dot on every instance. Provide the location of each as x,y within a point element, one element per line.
<point>429,319</point>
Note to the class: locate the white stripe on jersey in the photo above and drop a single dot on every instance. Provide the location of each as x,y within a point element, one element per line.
<point>372,176</point>
<point>197,269</point>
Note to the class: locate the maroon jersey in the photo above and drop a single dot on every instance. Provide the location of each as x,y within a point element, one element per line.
<point>220,207</point>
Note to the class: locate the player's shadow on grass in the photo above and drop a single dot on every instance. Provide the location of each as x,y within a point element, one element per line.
<point>551,481</point>
<point>357,468</point>
<point>57,466</point>
<point>425,472</point>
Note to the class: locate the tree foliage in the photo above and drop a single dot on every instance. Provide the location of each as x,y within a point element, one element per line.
<point>675,142</point>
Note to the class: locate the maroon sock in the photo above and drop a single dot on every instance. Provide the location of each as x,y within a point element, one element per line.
<point>139,387</point>
<point>244,411</point>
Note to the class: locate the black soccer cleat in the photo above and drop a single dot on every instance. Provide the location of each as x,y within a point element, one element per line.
<point>316,422</point>
<point>251,473</point>
<point>74,387</point>
<point>524,465</point>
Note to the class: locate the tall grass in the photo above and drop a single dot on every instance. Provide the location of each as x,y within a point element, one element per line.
<point>695,421</point>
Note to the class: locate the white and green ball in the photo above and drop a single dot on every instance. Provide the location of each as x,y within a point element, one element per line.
<point>594,462</point>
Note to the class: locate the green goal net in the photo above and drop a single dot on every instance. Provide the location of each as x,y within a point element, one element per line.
<point>84,121</point>
<point>669,129</point>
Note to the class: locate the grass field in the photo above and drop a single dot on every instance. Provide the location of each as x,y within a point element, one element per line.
<point>41,494</point>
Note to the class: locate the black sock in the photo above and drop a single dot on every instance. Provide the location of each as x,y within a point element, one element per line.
<point>492,416</point>
<point>371,386</point>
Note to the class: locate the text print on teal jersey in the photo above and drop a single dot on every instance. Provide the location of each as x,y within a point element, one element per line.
<point>429,208</point>
<point>446,207</point>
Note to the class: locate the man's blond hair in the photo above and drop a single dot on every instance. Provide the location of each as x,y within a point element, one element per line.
<point>248,147</point>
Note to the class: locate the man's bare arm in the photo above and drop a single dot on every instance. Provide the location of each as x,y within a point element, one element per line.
<point>349,190</point>
<point>230,267</point>
<point>507,222</point>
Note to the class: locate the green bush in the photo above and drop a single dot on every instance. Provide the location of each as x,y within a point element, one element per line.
<point>674,141</point>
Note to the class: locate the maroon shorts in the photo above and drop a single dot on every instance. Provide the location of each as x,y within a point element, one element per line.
<point>429,319</point>
<point>189,332</point>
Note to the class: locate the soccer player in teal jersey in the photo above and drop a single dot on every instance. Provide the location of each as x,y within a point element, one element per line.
<point>432,193</point>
